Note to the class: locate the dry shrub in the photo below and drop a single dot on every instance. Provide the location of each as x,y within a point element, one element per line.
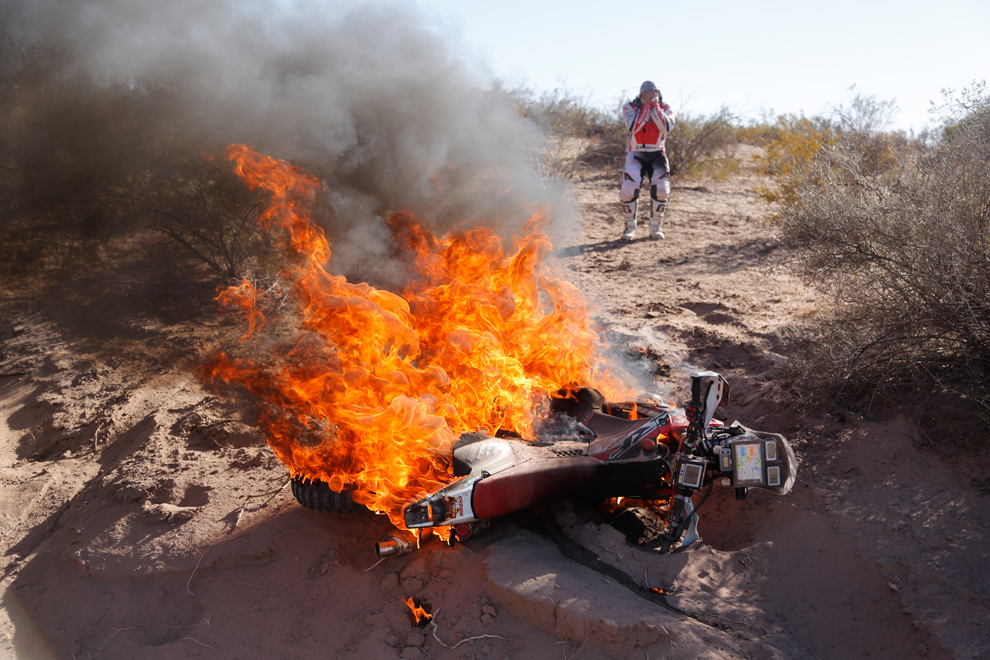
<point>605,154</point>
<point>200,204</point>
<point>561,112</point>
<point>900,244</point>
<point>703,146</point>
<point>84,165</point>
<point>570,124</point>
<point>791,144</point>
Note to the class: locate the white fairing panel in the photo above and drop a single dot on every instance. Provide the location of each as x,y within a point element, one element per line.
<point>491,455</point>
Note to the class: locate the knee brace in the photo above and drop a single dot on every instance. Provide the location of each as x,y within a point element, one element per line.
<point>629,192</point>
<point>629,212</point>
<point>657,206</point>
<point>629,203</point>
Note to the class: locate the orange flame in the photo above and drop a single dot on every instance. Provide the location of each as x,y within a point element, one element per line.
<point>421,615</point>
<point>373,389</point>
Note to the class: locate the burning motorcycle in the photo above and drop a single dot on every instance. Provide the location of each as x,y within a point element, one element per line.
<point>645,450</point>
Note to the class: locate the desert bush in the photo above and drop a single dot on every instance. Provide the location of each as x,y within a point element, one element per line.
<point>791,144</point>
<point>570,124</point>
<point>901,248</point>
<point>863,127</point>
<point>83,164</point>
<point>561,112</point>
<point>200,204</point>
<point>865,115</point>
<point>703,145</point>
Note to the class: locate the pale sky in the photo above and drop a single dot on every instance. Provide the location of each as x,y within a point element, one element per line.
<point>763,54</point>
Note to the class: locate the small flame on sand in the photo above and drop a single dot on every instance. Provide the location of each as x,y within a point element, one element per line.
<point>373,388</point>
<point>421,615</point>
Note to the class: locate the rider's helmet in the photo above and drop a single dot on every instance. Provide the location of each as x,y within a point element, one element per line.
<point>650,86</point>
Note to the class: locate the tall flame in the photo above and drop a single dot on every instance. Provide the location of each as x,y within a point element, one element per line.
<point>373,389</point>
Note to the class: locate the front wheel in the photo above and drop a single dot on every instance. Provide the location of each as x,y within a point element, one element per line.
<point>316,495</point>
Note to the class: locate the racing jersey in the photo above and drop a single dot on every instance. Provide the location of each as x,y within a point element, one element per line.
<point>648,125</point>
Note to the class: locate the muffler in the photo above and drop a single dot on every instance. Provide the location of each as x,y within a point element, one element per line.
<point>393,546</point>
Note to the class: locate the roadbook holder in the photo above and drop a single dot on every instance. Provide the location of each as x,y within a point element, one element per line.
<point>755,463</point>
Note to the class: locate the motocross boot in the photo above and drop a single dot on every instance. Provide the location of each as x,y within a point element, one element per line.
<point>657,209</point>
<point>629,213</point>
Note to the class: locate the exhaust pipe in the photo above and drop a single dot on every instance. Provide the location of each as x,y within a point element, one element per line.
<point>392,546</point>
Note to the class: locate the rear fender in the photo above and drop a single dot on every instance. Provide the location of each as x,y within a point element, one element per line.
<point>503,475</point>
<point>531,483</point>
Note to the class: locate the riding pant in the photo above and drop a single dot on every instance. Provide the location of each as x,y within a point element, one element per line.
<point>640,165</point>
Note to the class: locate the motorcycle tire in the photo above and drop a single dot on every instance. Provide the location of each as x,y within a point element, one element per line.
<point>316,495</point>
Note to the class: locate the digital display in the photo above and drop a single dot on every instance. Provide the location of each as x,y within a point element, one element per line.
<point>690,475</point>
<point>725,459</point>
<point>773,476</point>
<point>747,464</point>
<point>771,451</point>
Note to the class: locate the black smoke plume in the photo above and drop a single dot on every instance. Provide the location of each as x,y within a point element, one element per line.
<point>109,107</point>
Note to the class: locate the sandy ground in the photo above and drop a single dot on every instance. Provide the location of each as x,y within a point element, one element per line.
<point>143,517</point>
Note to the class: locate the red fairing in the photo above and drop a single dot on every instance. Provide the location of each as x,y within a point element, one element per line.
<point>531,483</point>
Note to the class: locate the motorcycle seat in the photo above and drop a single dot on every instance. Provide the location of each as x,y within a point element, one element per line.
<point>614,432</point>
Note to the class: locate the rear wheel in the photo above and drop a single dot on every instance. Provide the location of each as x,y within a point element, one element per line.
<point>315,494</point>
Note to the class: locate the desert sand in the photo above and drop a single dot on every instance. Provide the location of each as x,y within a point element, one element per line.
<point>143,516</point>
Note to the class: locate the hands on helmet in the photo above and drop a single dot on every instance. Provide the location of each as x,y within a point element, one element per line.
<point>648,121</point>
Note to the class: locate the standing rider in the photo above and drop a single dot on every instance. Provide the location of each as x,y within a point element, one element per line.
<point>648,121</point>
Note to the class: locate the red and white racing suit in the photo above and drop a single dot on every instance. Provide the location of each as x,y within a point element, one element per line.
<point>647,126</point>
